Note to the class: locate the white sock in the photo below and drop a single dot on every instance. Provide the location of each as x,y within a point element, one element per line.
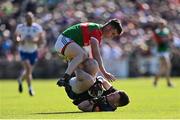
<point>19,80</point>
<point>30,88</point>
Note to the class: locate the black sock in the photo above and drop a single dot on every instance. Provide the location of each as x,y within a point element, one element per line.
<point>67,77</point>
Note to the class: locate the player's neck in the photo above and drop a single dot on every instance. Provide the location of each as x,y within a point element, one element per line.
<point>29,24</point>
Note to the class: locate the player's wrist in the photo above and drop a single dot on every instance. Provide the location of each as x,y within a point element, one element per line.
<point>103,71</point>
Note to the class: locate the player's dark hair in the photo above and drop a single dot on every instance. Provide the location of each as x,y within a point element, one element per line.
<point>124,99</point>
<point>116,24</point>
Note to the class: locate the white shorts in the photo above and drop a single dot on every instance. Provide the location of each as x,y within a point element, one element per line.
<point>74,85</point>
<point>166,55</point>
<point>61,43</point>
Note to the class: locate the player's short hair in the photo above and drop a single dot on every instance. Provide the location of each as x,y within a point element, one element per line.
<point>29,13</point>
<point>124,99</point>
<point>116,24</point>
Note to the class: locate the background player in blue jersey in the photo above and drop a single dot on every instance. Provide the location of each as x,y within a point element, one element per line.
<point>29,36</point>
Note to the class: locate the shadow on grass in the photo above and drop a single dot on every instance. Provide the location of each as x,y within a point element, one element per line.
<point>73,112</point>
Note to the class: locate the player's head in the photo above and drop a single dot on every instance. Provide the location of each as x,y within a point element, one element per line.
<point>120,98</point>
<point>29,18</point>
<point>161,23</point>
<point>112,28</point>
<point>90,66</point>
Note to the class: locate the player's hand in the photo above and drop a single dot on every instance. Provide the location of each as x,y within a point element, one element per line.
<point>96,90</point>
<point>19,40</point>
<point>109,77</point>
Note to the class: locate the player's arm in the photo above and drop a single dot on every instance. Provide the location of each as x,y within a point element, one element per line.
<point>96,54</point>
<point>40,38</point>
<point>106,85</point>
<point>17,36</point>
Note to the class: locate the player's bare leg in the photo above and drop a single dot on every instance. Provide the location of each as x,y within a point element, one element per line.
<point>168,72</point>
<point>159,73</point>
<point>76,55</point>
<point>156,80</point>
<point>28,76</point>
<point>20,80</point>
<point>85,76</point>
<point>29,79</point>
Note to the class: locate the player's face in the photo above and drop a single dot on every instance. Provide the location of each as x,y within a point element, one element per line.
<point>29,19</point>
<point>110,32</point>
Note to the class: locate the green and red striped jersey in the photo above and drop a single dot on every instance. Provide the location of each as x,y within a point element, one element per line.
<point>82,32</point>
<point>159,35</point>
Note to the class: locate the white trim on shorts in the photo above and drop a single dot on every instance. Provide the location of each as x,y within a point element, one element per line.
<point>61,42</point>
<point>164,54</point>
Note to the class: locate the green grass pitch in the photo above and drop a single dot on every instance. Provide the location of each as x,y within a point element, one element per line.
<point>51,102</point>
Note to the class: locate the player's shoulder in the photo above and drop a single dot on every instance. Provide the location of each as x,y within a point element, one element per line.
<point>94,24</point>
<point>37,26</point>
<point>20,25</point>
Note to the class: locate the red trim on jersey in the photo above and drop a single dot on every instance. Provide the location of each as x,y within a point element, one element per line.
<point>63,49</point>
<point>85,31</point>
<point>157,38</point>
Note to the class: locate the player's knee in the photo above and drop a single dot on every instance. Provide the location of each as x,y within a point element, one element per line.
<point>94,63</point>
<point>124,99</point>
<point>91,66</point>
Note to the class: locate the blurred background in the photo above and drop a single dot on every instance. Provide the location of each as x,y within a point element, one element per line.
<point>131,55</point>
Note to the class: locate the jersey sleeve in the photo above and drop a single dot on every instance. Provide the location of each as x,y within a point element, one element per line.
<point>39,28</point>
<point>18,28</point>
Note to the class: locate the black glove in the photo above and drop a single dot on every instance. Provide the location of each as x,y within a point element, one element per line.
<point>64,81</point>
<point>96,90</point>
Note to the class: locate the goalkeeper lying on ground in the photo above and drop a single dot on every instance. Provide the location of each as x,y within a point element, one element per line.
<point>92,93</point>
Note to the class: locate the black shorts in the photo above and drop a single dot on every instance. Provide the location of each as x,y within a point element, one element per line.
<point>77,98</point>
<point>70,93</point>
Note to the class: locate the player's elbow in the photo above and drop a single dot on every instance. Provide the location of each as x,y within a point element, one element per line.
<point>83,108</point>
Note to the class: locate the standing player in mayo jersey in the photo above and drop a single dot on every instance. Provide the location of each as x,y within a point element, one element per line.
<point>75,40</point>
<point>163,37</point>
<point>29,36</point>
